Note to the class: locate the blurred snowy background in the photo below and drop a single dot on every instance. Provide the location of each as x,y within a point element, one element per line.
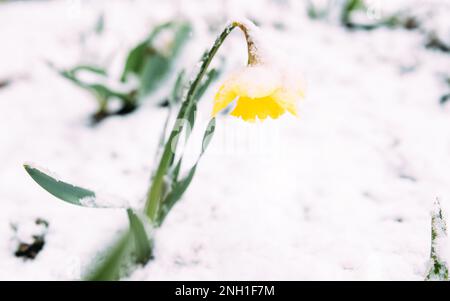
<point>342,193</point>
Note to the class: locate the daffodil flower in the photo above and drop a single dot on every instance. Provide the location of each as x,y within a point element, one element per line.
<point>262,88</point>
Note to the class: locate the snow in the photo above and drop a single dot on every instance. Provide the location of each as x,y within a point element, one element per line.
<point>342,193</point>
<point>104,201</point>
<point>163,41</point>
<point>27,229</point>
<point>32,165</point>
<point>256,81</point>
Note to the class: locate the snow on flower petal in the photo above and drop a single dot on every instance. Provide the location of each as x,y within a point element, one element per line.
<point>260,91</point>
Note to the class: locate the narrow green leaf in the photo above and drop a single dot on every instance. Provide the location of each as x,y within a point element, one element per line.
<point>116,261</point>
<point>349,7</point>
<point>93,69</point>
<point>179,187</point>
<point>210,77</point>
<point>156,67</point>
<point>100,91</point>
<point>174,99</point>
<point>192,114</point>
<point>150,65</point>
<point>177,191</point>
<point>175,171</point>
<point>208,134</point>
<point>143,245</point>
<point>137,56</point>
<point>73,194</point>
<point>62,190</point>
<point>135,60</point>
<point>182,32</point>
<point>155,70</point>
<point>133,247</point>
<point>177,91</point>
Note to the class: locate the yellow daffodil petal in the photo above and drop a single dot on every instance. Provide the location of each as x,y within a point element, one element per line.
<point>260,91</point>
<point>222,99</point>
<point>250,108</point>
<point>288,100</point>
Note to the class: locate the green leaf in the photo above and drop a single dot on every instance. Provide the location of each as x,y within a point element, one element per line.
<point>62,190</point>
<point>155,70</point>
<point>102,92</point>
<point>182,32</point>
<point>135,60</point>
<point>180,186</point>
<point>177,91</point>
<point>150,65</point>
<point>191,113</point>
<point>210,77</point>
<point>133,247</point>
<point>157,66</point>
<point>175,171</point>
<point>349,7</point>
<point>175,194</point>
<point>143,245</point>
<point>208,135</point>
<point>116,262</point>
<point>174,99</point>
<point>73,194</point>
<point>93,69</point>
<point>137,56</point>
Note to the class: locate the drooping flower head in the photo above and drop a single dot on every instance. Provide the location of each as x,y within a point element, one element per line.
<point>262,88</point>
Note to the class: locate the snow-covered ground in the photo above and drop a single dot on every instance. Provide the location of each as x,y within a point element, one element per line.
<point>342,193</point>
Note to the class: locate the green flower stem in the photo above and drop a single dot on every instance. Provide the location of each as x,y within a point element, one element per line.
<point>157,188</point>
